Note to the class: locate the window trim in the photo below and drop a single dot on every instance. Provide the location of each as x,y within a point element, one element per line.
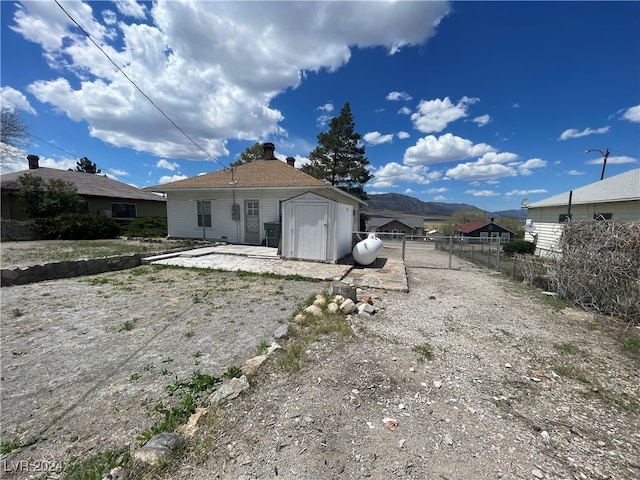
<point>203,216</point>
<point>128,205</point>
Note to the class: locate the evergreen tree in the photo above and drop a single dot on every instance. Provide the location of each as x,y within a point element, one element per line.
<point>48,198</point>
<point>339,159</point>
<point>87,166</point>
<point>249,155</point>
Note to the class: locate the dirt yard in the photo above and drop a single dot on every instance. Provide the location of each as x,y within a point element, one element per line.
<point>467,376</point>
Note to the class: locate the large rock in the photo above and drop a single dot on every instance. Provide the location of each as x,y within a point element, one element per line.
<point>341,288</point>
<point>230,390</point>
<point>157,447</point>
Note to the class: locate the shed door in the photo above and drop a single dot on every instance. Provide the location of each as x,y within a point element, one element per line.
<point>311,226</point>
<point>252,221</point>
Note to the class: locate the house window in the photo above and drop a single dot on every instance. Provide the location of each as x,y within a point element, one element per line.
<point>564,217</point>
<point>123,210</point>
<point>602,216</point>
<point>204,213</point>
<point>253,209</point>
<point>505,237</point>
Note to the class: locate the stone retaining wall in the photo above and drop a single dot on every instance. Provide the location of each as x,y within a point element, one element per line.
<point>75,268</point>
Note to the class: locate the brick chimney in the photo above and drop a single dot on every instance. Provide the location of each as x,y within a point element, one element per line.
<point>33,162</point>
<point>291,161</point>
<point>268,149</point>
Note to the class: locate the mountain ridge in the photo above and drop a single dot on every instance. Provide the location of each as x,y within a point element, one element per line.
<point>397,204</point>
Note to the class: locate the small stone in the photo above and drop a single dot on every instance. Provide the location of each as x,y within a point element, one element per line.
<point>281,332</point>
<point>536,472</point>
<point>448,440</point>
<point>332,307</point>
<point>157,447</point>
<point>348,306</point>
<point>401,442</point>
<point>601,443</point>
<point>507,365</point>
<point>251,366</point>
<point>545,435</point>
<point>314,310</point>
<point>535,379</point>
<point>437,383</point>
<point>367,299</point>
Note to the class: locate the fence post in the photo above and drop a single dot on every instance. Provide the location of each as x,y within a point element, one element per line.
<point>450,250</point>
<point>498,255</point>
<point>404,239</point>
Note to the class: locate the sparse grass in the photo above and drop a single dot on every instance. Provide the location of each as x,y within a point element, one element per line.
<point>9,446</point>
<point>127,326</point>
<point>29,253</point>
<point>134,377</point>
<point>569,349</point>
<point>16,312</point>
<point>506,333</point>
<point>233,372</point>
<point>630,345</point>
<point>424,350</point>
<point>262,347</point>
<point>189,334</point>
<point>569,371</point>
<point>308,329</point>
<point>96,466</point>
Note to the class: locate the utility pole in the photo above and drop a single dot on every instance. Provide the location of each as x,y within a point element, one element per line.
<point>605,155</point>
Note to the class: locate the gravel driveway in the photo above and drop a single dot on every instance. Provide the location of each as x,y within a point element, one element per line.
<point>514,387</point>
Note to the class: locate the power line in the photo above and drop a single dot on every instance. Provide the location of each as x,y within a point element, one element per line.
<point>140,90</point>
<point>52,145</point>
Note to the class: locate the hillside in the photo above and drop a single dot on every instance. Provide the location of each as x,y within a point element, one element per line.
<point>395,204</point>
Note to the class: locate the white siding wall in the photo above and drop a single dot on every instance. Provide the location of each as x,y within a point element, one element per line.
<point>548,229</point>
<point>183,222</point>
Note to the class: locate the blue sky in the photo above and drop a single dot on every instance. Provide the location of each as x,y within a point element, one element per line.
<point>483,103</point>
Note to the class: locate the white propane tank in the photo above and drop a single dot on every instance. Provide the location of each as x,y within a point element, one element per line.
<point>366,251</point>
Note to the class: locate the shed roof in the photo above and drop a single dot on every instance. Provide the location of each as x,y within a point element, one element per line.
<point>619,188</point>
<point>470,227</point>
<point>87,184</point>
<point>409,222</point>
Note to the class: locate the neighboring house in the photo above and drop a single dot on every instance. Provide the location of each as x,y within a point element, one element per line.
<point>614,198</point>
<point>261,203</point>
<point>410,227</point>
<point>102,195</point>
<point>485,230</point>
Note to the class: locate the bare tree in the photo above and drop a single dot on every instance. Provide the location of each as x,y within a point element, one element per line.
<point>13,132</point>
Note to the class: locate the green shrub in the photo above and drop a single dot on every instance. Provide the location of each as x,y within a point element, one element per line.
<point>76,227</point>
<point>147,227</point>
<point>519,246</point>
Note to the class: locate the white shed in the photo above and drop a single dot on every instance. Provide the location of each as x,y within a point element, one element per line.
<point>316,228</point>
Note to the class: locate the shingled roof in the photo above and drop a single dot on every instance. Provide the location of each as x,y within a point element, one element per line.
<point>87,184</point>
<point>256,174</point>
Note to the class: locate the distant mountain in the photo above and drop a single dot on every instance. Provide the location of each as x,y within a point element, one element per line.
<point>396,204</point>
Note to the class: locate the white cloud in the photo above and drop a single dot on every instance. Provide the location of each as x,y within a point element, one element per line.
<point>575,172</point>
<point>172,166</point>
<point>471,171</point>
<point>222,99</point>
<point>172,178</point>
<point>515,105</point>
<point>435,190</point>
<point>117,173</point>
<point>574,133</point>
<point>617,160</point>
<point>482,120</point>
<point>526,167</point>
<point>446,148</point>
<point>435,115</point>
<point>632,114</point>
<point>12,99</point>
<point>482,193</point>
<point>440,198</point>
<point>404,111</point>
<point>399,96</point>
<point>402,135</point>
<point>327,107</point>
<point>514,193</point>
<point>393,174</point>
<point>376,138</point>
<point>131,8</point>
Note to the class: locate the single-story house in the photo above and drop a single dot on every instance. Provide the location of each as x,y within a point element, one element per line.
<point>409,226</point>
<point>102,195</point>
<point>485,230</point>
<point>614,198</point>
<point>264,202</point>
